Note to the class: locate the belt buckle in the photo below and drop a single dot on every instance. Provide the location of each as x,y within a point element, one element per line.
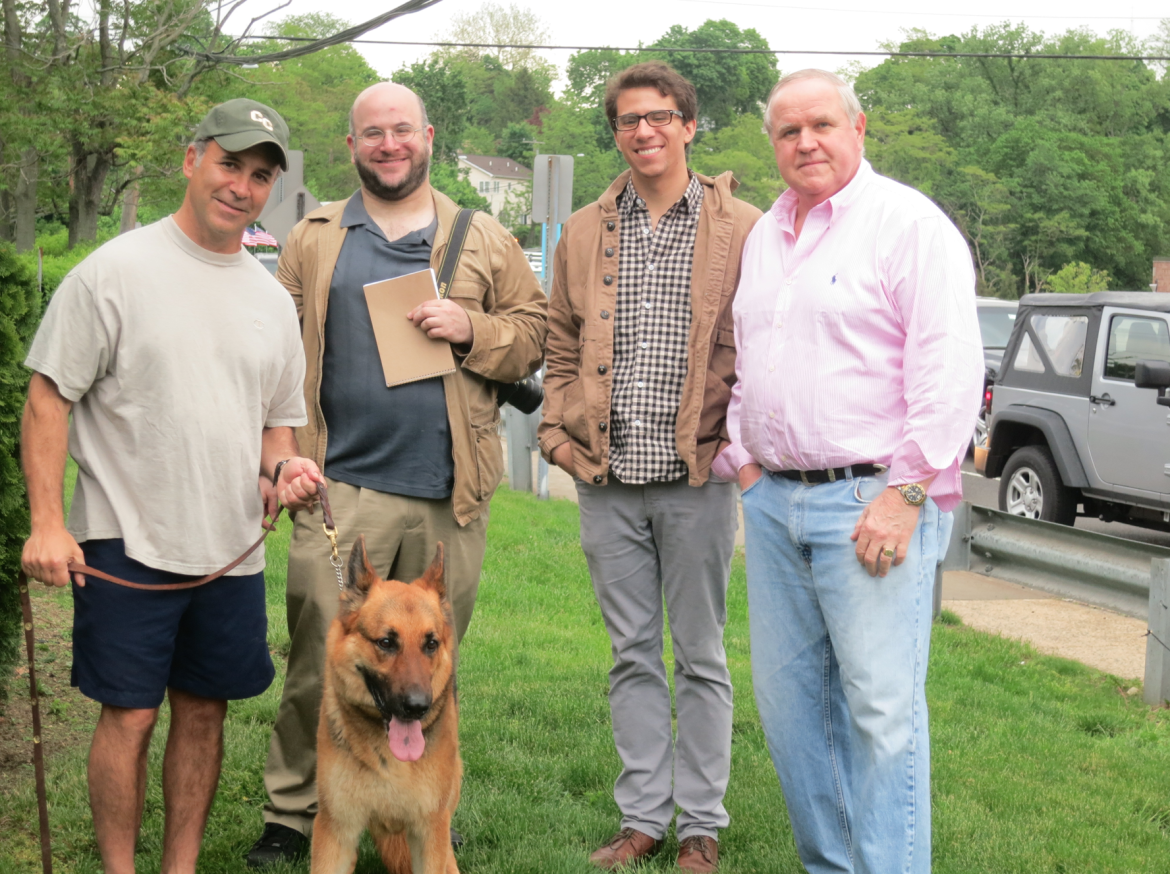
<point>804,478</point>
<point>832,474</point>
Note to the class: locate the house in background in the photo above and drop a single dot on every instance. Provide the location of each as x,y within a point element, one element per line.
<point>494,178</point>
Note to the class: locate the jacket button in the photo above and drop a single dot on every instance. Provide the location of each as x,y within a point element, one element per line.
<point>605,314</point>
<point>601,368</point>
<point>603,426</point>
<point>597,479</point>
<point>609,226</point>
<point>609,253</point>
<point>608,280</point>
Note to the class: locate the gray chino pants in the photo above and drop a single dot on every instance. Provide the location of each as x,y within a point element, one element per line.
<point>646,544</point>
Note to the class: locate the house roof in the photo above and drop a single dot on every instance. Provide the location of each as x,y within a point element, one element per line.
<point>494,165</point>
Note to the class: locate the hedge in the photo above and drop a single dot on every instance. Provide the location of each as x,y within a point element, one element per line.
<point>20,313</point>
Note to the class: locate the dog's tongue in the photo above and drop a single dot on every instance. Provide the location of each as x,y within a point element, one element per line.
<point>406,739</point>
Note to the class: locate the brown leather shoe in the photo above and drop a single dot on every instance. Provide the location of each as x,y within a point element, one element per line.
<point>625,847</point>
<point>699,853</point>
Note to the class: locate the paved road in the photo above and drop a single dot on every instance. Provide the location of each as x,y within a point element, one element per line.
<point>983,492</point>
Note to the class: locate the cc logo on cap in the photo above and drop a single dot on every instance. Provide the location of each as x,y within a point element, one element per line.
<point>258,116</point>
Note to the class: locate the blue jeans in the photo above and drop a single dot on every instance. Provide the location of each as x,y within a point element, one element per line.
<point>839,666</point>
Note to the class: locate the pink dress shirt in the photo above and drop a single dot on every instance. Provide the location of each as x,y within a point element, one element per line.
<point>857,342</point>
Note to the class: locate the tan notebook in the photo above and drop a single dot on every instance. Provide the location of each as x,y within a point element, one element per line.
<point>407,353</point>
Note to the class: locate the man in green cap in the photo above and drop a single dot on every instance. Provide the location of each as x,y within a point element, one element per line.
<point>179,358</point>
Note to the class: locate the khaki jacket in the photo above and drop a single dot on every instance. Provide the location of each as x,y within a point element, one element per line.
<point>508,311</point>
<point>578,374</point>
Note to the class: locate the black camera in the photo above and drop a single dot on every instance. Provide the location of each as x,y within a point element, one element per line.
<point>526,395</point>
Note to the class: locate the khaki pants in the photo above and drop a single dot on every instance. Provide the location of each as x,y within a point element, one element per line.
<point>401,534</point>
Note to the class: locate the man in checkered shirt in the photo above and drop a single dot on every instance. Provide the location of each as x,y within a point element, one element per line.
<point>640,364</point>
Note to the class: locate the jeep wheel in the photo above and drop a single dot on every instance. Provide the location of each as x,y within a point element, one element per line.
<point>1030,485</point>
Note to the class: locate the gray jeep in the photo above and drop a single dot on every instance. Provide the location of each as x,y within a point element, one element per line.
<point>1071,431</point>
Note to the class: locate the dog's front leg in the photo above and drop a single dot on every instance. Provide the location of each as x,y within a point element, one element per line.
<point>430,846</point>
<point>335,846</point>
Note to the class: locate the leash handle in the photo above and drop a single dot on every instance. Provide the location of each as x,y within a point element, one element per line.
<point>38,745</point>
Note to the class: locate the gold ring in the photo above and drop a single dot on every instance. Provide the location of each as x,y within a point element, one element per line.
<point>888,553</point>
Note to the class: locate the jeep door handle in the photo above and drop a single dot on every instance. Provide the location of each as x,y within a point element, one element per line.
<point>1104,400</point>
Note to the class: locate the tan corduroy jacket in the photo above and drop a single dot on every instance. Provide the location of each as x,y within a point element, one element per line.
<point>508,314</point>
<point>579,371</point>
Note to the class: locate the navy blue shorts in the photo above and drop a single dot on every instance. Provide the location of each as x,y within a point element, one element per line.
<point>129,645</point>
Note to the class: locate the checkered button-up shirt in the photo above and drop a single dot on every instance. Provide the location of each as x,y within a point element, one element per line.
<point>652,324</point>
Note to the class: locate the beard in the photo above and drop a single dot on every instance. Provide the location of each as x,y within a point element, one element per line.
<point>420,167</point>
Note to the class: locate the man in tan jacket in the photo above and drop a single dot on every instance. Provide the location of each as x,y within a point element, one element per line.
<point>641,360</point>
<point>407,466</point>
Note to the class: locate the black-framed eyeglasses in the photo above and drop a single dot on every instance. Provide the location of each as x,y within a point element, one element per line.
<point>373,137</point>
<point>657,118</point>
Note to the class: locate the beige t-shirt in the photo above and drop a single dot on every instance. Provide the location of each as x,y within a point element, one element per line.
<point>175,359</point>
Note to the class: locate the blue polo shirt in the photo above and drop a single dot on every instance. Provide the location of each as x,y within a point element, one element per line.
<point>395,440</point>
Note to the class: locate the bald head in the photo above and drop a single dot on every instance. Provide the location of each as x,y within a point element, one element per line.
<point>387,96</point>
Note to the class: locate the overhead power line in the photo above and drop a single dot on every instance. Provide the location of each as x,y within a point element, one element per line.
<point>936,14</point>
<point>1037,56</point>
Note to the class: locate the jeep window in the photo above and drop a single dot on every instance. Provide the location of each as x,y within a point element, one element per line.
<point>1133,339</point>
<point>1028,359</point>
<point>995,326</point>
<point>1063,338</point>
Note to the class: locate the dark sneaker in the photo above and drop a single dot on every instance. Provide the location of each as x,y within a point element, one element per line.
<point>456,840</point>
<point>279,843</point>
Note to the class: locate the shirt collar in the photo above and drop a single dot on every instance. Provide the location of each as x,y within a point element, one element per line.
<point>355,214</point>
<point>784,209</point>
<point>692,199</point>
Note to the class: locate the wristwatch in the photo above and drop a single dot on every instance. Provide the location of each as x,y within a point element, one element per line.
<point>913,494</point>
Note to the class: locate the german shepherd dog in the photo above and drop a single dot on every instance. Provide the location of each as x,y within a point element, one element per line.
<point>387,740</point>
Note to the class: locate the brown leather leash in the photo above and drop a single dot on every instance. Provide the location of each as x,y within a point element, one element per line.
<point>76,567</point>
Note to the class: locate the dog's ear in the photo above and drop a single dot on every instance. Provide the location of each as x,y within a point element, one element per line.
<point>435,577</point>
<point>360,575</point>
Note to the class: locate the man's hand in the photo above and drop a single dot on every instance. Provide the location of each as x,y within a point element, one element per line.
<point>748,474</point>
<point>443,320</point>
<point>886,524</point>
<point>47,554</point>
<point>268,496</point>
<point>297,486</point>
<point>562,457</point>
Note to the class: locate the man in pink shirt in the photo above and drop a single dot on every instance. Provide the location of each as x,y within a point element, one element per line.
<point>858,377</point>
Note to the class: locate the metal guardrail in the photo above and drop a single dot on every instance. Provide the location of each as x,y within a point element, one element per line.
<point>1095,568</point>
<point>1112,572</point>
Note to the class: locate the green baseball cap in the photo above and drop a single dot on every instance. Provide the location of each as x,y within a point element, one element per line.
<point>240,124</point>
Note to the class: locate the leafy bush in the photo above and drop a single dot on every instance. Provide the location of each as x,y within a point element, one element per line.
<point>20,312</point>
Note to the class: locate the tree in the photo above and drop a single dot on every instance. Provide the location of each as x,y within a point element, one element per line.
<point>442,85</point>
<point>1078,278</point>
<point>494,24</point>
<point>743,148</point>
<point>727,84</point>
<point>452,181</point>
<point>1042,162</point>
<point>20,311</point>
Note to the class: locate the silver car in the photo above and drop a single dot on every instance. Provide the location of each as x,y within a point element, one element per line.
<point>1071,432</point>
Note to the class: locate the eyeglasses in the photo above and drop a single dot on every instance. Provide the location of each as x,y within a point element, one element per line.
<point>373,137</point>
<point>657,118</point>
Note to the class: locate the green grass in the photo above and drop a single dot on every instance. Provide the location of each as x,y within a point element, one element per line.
<point>1040,765</point>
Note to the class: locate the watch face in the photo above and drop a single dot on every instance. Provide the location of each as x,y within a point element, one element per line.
<point>913,494</point>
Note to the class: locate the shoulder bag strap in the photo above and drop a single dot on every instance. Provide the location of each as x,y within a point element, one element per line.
<point>454,250</point>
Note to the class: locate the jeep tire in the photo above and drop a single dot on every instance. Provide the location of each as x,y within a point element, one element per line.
<point>1030,485</point>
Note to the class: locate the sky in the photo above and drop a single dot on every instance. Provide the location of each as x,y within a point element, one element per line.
<point>795,26</point>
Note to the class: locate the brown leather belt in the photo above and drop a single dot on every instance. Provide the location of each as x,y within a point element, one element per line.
<point>832,474</point>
